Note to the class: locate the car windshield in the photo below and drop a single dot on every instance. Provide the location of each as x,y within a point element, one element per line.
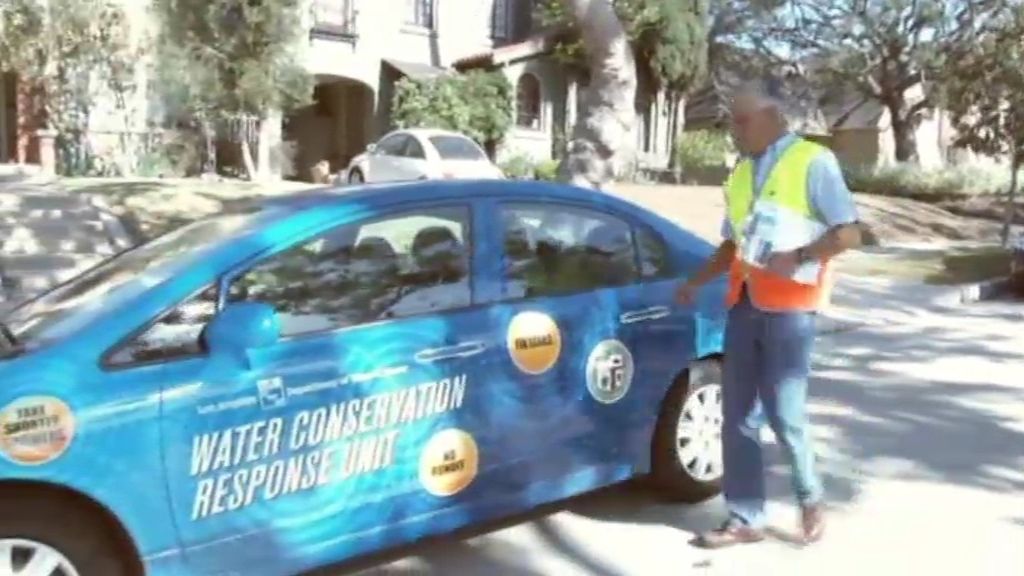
<point>456,148</point>
<point>69,305</point>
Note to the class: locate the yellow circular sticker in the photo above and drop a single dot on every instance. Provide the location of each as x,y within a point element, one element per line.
<point>36,429</point>
<point>449,462</point>
<point>534,342</point>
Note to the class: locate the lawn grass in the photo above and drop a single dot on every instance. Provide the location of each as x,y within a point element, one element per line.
<point>946,266</point>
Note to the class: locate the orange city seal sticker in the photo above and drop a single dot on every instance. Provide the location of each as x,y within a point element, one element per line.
<point>449,462</point>
<point>36,429</point>
<point>534,342</point>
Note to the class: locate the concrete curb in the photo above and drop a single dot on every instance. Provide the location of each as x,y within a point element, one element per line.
<point>983,290</point>
<point>972,293</point>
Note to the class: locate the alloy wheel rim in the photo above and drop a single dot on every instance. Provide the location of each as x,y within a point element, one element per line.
<point>20,557</point>
<point>699,434</point>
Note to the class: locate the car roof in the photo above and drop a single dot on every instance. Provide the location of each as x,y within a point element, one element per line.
<point>405,192</point>
<point>428,132</point>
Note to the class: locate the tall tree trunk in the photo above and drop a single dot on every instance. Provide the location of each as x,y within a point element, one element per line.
<point>1011,200</point>
<point>601,142</point>
<point>904,139</point>
<point>210,158</point>
<point>250,165</point>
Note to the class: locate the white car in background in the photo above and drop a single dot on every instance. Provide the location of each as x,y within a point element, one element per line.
<point>420,154</point>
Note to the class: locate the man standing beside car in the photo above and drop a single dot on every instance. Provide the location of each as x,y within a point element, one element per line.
<point>772,303</point>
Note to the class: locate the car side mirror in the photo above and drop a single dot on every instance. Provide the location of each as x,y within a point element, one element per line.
<point>241,327</point>
<point>371,148</point>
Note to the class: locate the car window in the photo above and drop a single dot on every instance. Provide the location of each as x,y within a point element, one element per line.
<point>456,148</point>
<point>564,250</point>
<point>393,145</point>
<point>413,149</point>
<point>655,262</point>
<point>397,266</point>
<point>175,334</point>
<point>61,310</point>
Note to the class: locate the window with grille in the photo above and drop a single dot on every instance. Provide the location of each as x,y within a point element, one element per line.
<point>420,13</point>
<point>499,20</point>
<point>528,102</point>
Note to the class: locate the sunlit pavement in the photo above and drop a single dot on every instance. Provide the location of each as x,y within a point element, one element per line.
<point>48,235</point>
<point>920,422</point>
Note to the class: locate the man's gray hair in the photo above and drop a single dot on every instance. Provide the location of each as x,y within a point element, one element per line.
<point>768,89</point>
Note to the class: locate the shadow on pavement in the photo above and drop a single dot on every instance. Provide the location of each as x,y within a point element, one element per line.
<point>928,401</point>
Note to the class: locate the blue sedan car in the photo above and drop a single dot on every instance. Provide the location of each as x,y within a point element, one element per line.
<point>341,371</point>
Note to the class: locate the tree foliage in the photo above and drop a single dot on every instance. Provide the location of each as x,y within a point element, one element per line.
<point>235,56</point>
<point>983,89</point>
<point>881,49</point>
<point>478,104</point>
<point>669,37</point>
<point>231,60</point>
<point>69,52</point>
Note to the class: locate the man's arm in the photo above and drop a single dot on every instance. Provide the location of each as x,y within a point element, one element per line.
<point>832,201</point>
<point>717,265</point>
<point>719,262</point>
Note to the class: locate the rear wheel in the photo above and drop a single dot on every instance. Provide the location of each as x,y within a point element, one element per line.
<point>687,447</point>
<point>51,535</point>
<point>356,176</point>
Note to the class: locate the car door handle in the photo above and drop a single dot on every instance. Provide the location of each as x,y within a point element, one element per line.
<point>463,350</point>
<point>645,315</point>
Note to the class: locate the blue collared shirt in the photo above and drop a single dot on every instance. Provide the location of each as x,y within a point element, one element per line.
<point>830,199</point>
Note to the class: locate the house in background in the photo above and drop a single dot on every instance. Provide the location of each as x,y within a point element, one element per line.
<point>359,49</point>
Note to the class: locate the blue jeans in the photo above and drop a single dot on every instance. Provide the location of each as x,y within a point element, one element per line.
<point>767,363</point>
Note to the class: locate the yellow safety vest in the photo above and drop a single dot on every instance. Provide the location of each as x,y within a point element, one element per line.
<point>786,186</point>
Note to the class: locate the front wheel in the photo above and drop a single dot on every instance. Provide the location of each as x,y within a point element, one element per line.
<point>687,447</point>
<point>356,177</point>
<point>34,541</point>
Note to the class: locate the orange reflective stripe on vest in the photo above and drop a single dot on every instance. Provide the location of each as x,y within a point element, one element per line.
<point>786,185</point>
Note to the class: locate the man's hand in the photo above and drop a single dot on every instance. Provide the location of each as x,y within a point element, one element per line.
<point>686,294</point>
<point>784,263</point>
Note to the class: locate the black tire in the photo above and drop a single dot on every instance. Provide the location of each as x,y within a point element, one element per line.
<point>71,527</point>
<point>356,176</point>
<point>668,474</point>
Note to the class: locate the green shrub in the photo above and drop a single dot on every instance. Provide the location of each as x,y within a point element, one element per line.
<point>478,104</point>
<point>178,155</point>
<point>518,167</point>
<point>547,170</point>
<point>927,184</point>
<point>698,149</point>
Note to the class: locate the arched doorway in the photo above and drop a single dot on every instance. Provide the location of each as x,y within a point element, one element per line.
<point>334,128</point>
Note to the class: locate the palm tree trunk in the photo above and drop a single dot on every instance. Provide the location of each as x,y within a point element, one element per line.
<point>601,143</point>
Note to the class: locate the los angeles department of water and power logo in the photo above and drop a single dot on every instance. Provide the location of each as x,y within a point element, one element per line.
<point>534,342</point>
<point>609,371</point>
